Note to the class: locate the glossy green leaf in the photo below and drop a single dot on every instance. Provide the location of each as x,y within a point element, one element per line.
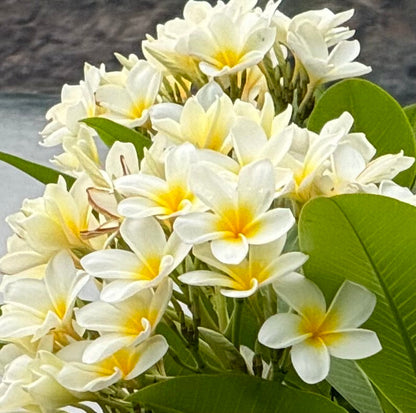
<point>110,132</point>
<point>349,380</point>
<point>410,112</point>
<point>229,356</point>
<point>371,240</point>
<point>375,112</point>
<point>229,393</point>
<point>39,172</point>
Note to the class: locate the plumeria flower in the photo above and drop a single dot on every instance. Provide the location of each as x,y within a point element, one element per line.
<point>52,310</point>
<point>125,323</point>
<point>316,333</point>
<point>393,190</point>
<point>204,120</point>
<point>125,364</point>
<point>309,154</point>
<point>121,160</point>
<point>325,21</point>
<point>166,51</point>
<point>264,265</point>
<point>349,171</point>
<point>129,104</point>
<point>151,260</point>
<point>49,224</point>
<point>149,195</point>
<point>265,117</point>
<point>240,215</point>
<point>309,47</point>
<point>231,43</point>
<point>78,102</point>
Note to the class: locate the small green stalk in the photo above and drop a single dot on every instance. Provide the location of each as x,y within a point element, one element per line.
<point>237,313</point>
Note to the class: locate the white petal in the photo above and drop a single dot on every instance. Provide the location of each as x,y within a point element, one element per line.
<point>230,250</point>
<point>197,227</point>
<point>352,344</point>
<point>256,186</point>
<point>144,236</point>
<point>151,351</point>
<point>111,264</point>
<point>351,306</point>
<point>311,360</point>
<point>281,331</point>
<point>83,378</point>
<point>203,277</point>
<point>302,295</point>
<point>105,346</point>
<point>271,225</point>
<point>241,293</point>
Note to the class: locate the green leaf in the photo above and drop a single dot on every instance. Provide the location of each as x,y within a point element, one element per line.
<point>410,112</point>
<point>111,132</point>
<point>39,172</point>
<point>349,380</point>
<point>178,346</point>
<point>229,356</point>
<point>230,393</point>
<point>375,112</point>
<point>371,240</point>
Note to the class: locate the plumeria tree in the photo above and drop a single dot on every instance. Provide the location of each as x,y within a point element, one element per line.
<point>246,244</point>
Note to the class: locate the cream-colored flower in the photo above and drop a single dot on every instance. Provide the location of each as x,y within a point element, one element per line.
<point>151,260</point>
<point>148,195</point>
<point>125,323</point>
<point>51,311</point>
<point>205,119</point>
<point>265,264</point>
<point>125,364</point>
<point>129,104</point>
<point>240,214</point>
<point>231,43</point>
<point>65,128</point>
<point>315,333</point>
<point>309,155</point>
<point>49,224</point>
<point>309,47</point>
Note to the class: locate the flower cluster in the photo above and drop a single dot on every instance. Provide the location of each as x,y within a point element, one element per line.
<point>199,226</point>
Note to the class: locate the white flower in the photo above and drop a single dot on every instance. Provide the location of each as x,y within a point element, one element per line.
<point>309,47</point>
<point>393,190</point>
<point>205,119</point>
<point>265,264</point>
<point>315,333</point>
<point>153,258</point>
<point>325,21</point>
<point>51,310</point>
<point>129,104</point>
<point>125,364</point>
<point>123,324</point>
<point>78,102</point>
<point>349,171</point>
<point>49,224</point>
<point>229,44</point>
<point>149,195</point>
<point>309,154</point>
<point>240,216</point>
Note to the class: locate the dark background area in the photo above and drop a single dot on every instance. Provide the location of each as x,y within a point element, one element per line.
<point>44,43</point>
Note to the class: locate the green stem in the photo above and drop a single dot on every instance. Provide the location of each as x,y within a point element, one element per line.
<point>220,306</point>
<point>306,98</point>
<point>235,332</point>
<point>177,360</point>
<point>117,404</point>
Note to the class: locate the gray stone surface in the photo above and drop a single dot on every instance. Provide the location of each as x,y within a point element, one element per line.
<point>43,43</point>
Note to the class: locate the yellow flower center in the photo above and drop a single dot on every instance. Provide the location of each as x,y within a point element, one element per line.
<point>227,57</point>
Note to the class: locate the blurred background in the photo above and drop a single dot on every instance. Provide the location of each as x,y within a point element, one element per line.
<point>44,44</point>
